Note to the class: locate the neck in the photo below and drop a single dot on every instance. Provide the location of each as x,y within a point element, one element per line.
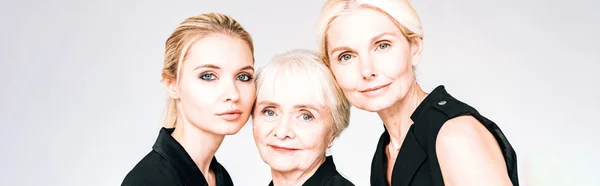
<point>396,118</point>
<point>296,177</point>
<point>199,144</point>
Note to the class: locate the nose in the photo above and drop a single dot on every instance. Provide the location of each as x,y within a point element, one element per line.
<point>367,69</point>
<point>232,92</point>
<point>284,129</point>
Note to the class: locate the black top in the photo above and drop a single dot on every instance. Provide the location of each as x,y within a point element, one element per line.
<point>169,164</point>
<point>417,163</point>
<point>326,175</point>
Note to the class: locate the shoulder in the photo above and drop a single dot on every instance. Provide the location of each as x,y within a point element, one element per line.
<point>339,180</point>
<point>464,128</point>
<point>151,170</point>
<point>466,149</point>
<point>225,175</point>
<point>464,134</point>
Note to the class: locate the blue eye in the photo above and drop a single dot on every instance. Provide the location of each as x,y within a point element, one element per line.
<point>383,46</point>
<point>269,113</point>
<point>345,57</point>
<point>306,117</point>
<point>244,77</point>
<point>208,76</point>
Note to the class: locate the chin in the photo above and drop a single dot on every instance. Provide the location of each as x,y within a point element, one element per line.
<point>375,104</point>
<point>278,164</point>
<point>226,128</point>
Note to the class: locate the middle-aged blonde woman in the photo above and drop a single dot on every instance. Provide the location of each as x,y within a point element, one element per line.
<point>299,111</point>
<point>372,48</point>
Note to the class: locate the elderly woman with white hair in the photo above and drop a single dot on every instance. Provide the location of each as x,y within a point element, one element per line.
<point>299,111</point>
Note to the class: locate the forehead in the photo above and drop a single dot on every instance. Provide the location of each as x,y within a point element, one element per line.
<point>290,89</point>
<point>359,24</point>
<point>221,50</point>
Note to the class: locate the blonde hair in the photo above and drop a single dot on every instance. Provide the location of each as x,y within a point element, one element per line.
<point>399,11</point>
<point>189,31</point>
<point>299,63</point>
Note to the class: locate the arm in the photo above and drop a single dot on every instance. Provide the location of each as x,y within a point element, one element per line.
<point>469,154</point>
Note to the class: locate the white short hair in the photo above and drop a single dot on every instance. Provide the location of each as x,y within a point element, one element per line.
<point>302,63</point>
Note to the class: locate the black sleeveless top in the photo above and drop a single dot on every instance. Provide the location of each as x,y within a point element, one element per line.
<point>326,175</point>
<point>417,163</point>
<point>169,164</point>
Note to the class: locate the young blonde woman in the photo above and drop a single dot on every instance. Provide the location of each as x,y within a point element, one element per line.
<point>372,48</point>
<point>208,76</point>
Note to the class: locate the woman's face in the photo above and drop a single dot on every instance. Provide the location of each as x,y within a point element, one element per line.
<point>371,59</point>
<point>292,127</point>
<point>216,87</point>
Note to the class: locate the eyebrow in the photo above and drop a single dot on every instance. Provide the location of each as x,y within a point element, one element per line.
<point>373,40</point>
<point>248,68</point>
<point>217,67</point>
<point>339,49</point>
<point>379,36</point>
<point>304,106</point>
<point>207,66</point>
<point>267,103</point>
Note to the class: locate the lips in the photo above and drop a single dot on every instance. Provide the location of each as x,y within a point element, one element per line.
<point>236,111</point>
<point>374,88</point>
<point>282,149</point>
<point>230,115</point>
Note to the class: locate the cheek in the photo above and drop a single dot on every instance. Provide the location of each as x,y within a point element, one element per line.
<point>345,76</point>
<point>196,94</point>
<point>313,138</point>
<point>248,92</point>
<point>260,129</point>
<point>395,64</point>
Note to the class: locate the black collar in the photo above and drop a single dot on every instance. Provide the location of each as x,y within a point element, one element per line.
<point>325,172</point>
<point>181,161</point>
<point>409,159</point>
<point>437,93</point>
<point>411,155</point>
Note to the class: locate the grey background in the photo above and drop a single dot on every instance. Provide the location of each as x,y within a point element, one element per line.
<point>81,101</point>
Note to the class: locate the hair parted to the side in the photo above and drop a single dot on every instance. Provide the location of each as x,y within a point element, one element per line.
<point>302,64</point>
<point>400,12</point>
<point>189,31</point>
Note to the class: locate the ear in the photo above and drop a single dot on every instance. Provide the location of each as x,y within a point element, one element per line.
<point>331,139</point>
<point>416,47</point>
<point>170,87</point>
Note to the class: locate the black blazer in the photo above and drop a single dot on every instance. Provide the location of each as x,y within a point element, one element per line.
<point>168,164</point>
<point>417,163</point>
<point>326,175</point>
